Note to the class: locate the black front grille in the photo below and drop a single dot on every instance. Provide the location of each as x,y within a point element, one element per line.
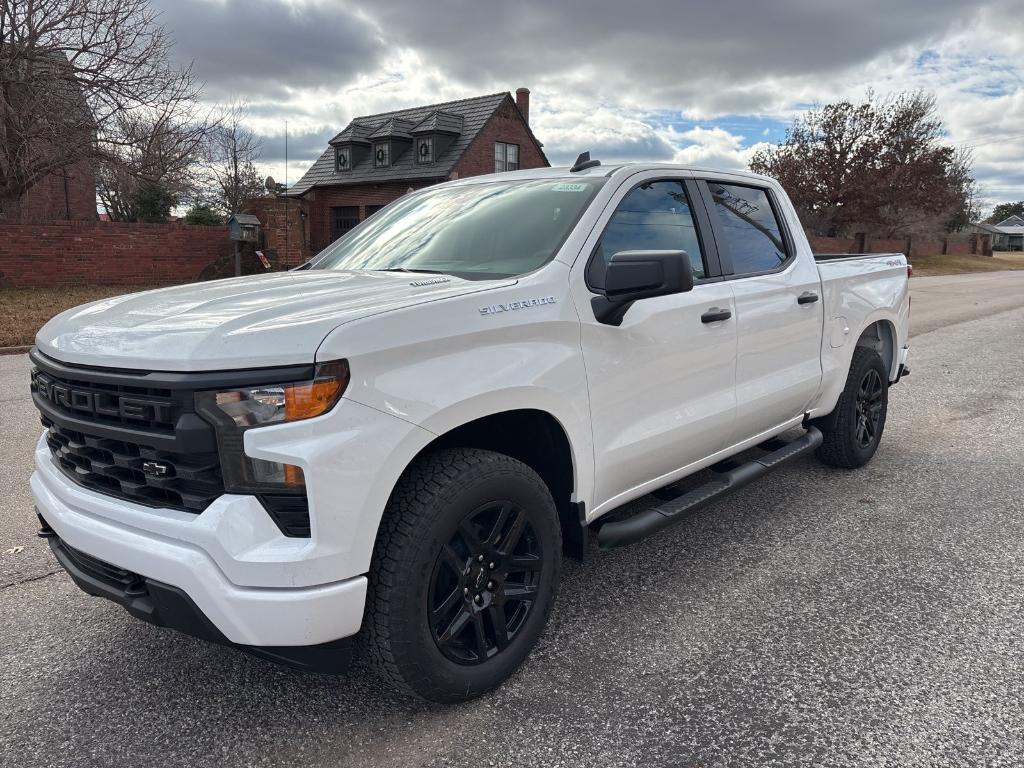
<point>136,472</point>
<point>136,435</point>
<point>116,404</point>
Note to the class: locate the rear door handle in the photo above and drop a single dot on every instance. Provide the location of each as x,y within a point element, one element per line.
<point>807,297</point>
<point>715,314</point>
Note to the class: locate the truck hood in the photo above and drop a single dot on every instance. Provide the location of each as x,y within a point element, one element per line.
<point>242,322</point>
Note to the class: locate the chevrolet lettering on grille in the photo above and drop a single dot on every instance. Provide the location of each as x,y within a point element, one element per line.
<point>100,404</point>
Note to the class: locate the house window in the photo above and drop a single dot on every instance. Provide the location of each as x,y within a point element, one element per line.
<point>343,219</point>
<point>342,159</point>
<point>381,155</point>
<point>425,150</point>
<point>506,157</point>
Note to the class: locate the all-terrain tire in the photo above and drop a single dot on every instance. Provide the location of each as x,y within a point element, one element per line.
<point>860,415</point>
<point>444,502</point>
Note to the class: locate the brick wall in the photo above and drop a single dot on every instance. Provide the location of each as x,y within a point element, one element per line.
<point>506,125</point>
<point>103,253</point>
<point>286,240</point>
<point>58,197</point>
<point>961,244</point>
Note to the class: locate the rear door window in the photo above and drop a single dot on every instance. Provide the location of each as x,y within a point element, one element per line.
<point>747,221</point>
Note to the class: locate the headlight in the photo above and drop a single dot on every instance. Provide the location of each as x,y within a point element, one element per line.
<point>274,403</point>
<point>233,411</point>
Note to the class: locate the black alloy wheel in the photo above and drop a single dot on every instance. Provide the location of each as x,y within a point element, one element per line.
<point>464,574</point>
<point>484,583</point>
<point>853,430</point>
<point>869,409</point>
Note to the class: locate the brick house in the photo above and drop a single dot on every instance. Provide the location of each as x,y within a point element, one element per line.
<point>69,193</point>
<point>378,158</point>
<point>66,195</point>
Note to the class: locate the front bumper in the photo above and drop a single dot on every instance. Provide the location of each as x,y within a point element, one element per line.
<point>193,555</point>
<point>167,606</point>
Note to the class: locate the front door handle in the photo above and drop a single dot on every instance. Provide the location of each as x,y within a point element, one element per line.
<point>807,297</point>
<point>715,314</point>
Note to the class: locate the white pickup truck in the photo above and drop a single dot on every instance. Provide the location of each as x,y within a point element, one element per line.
<point>395,443</point>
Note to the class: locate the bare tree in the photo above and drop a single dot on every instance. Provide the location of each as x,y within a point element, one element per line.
<point>70,73</point>
<point>155,156</point>
<point>232,155</point>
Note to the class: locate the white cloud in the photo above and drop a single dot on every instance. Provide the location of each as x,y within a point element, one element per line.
<point>605,79</point>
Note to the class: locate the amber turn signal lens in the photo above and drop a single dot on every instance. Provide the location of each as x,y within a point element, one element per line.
<point>293,477</point>
<point>309,399</point>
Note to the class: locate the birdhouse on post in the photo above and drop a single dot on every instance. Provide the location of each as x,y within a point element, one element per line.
<point>242,228</point>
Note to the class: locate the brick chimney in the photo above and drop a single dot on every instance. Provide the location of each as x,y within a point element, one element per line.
<point>523,102</point>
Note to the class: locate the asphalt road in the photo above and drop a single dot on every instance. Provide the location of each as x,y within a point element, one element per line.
<point>819,617</point>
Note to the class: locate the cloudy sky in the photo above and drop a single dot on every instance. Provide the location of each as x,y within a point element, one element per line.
<point>692,81</point>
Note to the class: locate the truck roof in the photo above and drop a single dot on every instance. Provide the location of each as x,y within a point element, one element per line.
<point>628,169</point>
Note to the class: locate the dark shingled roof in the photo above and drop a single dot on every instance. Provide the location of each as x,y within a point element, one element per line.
<point>394,128</point>
<point>466,117</point>
<point>440,121</point>
<point>357,132</point>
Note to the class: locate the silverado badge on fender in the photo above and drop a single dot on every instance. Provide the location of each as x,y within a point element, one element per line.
<point>494,309</point>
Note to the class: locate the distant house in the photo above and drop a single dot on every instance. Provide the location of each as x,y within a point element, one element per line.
<point>1010,235</point>
<point>378,158</point>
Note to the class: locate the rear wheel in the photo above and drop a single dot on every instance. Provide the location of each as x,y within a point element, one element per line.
<point>860,413</point>
<point>464,575</point>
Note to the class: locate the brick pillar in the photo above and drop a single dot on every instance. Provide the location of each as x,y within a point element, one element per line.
<point>986,245</point>
<point>945,246</point>
<point>908,246</point>
<point>860,242</point>
<point>974,243</point>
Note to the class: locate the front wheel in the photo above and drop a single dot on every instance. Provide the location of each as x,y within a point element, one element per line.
<point>464,574</point>
<point>860,413</point>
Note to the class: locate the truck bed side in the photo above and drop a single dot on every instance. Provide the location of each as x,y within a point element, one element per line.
<point>864,296</point>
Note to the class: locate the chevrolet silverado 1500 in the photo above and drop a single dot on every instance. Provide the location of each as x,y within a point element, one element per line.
<point>392,446</point>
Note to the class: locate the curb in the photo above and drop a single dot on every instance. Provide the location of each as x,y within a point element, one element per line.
<point>15,350</point>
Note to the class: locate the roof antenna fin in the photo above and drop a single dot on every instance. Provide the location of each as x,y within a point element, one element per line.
<point>583,162</point>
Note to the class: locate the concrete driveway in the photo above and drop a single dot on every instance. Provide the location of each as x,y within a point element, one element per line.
<point>819,617</point>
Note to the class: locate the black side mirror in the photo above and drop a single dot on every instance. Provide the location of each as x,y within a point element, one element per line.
<point>634,275</point>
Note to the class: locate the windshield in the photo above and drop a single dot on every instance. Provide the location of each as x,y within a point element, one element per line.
<point>476,231</point>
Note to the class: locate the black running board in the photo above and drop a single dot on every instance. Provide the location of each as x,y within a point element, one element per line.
<point>653,519</point>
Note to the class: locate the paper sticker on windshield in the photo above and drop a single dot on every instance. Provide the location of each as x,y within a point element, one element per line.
<point>568,187</point>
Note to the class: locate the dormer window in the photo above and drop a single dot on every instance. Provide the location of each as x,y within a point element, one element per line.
<point>343,159</point>
<point>381,154</point>
<point>425,150</point>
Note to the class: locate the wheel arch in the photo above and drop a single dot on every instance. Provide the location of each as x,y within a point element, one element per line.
<point>538,439</point>
<point>880,335</point>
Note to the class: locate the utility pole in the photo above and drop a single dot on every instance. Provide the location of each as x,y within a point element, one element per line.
<point>287,223</point>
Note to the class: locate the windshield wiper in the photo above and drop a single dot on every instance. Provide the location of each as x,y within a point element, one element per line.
<point>406,269</point>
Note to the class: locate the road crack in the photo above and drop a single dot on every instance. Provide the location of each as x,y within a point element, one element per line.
<point>29,579</point>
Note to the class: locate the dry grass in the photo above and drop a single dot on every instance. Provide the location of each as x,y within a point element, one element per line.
<point>23,311</point>
<point>925,266</point>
